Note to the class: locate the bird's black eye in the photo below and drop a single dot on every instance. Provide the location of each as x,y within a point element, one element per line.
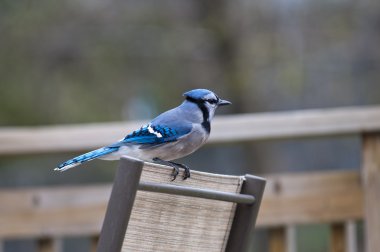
<point>212,101</point>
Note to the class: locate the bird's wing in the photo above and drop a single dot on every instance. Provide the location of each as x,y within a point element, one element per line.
<point>155,134</point>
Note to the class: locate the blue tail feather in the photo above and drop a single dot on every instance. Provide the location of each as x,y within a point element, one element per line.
<point>85,157</point>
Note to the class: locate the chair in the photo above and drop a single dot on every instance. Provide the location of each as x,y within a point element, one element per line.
<point>208,212</point>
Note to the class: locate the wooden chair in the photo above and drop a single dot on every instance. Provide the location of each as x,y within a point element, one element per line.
<point>208,212</point>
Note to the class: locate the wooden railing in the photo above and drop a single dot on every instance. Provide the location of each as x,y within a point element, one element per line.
<point>338,198</point>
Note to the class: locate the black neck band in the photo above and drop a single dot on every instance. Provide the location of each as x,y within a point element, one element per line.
<point>206,123</point>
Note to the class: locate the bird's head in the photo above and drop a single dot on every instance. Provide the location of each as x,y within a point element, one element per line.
<point>206,100</point>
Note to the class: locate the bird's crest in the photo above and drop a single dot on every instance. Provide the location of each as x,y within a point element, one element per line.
<point>199,94</point>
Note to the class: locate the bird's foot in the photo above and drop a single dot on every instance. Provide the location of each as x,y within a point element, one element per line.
<point>176,167</point>
<point>175,172</point>
<point>186,172</point>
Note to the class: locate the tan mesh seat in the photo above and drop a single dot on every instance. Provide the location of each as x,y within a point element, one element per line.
<point>170,222</point>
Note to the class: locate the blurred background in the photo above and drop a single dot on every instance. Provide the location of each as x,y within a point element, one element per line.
<point>85,61</point>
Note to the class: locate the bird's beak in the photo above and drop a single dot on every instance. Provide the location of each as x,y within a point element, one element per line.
<point>223,102</point>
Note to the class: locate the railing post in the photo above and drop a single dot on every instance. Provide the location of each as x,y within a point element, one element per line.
<point>291,238</point>
<point>120,205</point>
<point>50,245</point>
<point>351,236</point>
<point>94,240</point>
<point>338,238</point>
<point>277,239</point>
<point>45,245</point>
<point>371,188</point>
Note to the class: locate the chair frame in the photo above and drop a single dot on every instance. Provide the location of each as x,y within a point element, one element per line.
<point>127,182</point>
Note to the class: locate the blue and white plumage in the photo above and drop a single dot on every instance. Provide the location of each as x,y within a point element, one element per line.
<point>173,134</point>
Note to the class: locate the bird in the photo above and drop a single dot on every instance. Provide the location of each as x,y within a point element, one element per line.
<point>173,134</point>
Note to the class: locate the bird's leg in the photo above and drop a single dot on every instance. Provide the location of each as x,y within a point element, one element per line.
<point>186,173</point>
<point>168,163</point>
<point>175,166</point>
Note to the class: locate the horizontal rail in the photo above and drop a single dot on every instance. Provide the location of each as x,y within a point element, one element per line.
<point>318,197</point>
<point>290,199</point>
<point>232,128</point>
<point>196,192</point>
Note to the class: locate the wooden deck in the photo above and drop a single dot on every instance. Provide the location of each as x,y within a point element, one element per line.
<point>337,198</point>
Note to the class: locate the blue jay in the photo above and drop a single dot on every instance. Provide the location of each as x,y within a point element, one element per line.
<point>173,134</point>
